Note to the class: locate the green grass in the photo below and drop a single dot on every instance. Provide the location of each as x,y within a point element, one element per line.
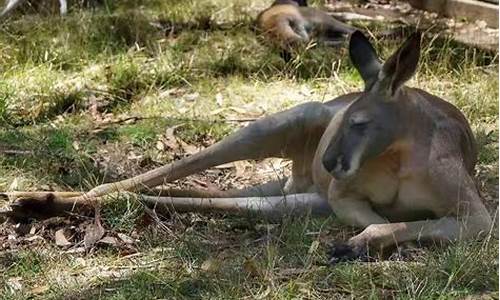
<point>198,66</point>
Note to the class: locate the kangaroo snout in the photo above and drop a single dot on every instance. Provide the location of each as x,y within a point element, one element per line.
<point>337,165</point>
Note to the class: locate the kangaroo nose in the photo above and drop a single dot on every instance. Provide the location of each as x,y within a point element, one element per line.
<point>329,164</point>
<point>336,165</point>
<point>332,164</point>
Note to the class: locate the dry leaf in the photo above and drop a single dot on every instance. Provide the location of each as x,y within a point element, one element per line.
<point>238,110</point>
<point>217,111</point>
<point>23,229</point>
<point>133,156</point>
<point>14,283</point>
<point>219,99</point>
<point>481,24</point>
<point>241,167</point>
<point>94,108</point>
<point>15,185</point>
<point>188,149</point>
<point>264,294</point>
<point>304,90</point>
<point>160,146</point>
<point>169,139</point>
<point>61,239</point>
<point>39,289</point>
<point>225,166</point>
<point>33,238</point>
<point>54,221</point>
<point>291,272</point>
<point>265,227</point>
<point>80,262</point>
<point>192,96</point>
<point>314,246</point>
<point>183,110</point>
<point>110,241</point>
<point>76,145</point>
<point>251,267</point>
<point>176,92</point>
<point>32,230</point>
<point>75,250</point>
<point>93,232</point>
<point>126,239</point>
<point>211,265</point>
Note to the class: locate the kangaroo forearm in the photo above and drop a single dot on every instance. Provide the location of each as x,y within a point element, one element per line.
<point>356,212</point>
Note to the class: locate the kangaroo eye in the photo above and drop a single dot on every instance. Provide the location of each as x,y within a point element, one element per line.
<point>360,125</point>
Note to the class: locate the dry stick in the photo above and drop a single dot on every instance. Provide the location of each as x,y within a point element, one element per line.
<point>11,5</point>
<point>132,119</point>
<point>16,152</point>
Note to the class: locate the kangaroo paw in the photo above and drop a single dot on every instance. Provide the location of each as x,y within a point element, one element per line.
<point>43,206</point>
<point>343,252</point>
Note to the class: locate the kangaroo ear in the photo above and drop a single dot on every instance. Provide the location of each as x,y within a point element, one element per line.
<point>364,58</point>
<point>401,65</point>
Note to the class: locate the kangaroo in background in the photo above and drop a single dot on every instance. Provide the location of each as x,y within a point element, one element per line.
<point>394,161</point>
<point>287,24</point>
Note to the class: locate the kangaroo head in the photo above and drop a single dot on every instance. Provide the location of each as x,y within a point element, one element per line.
<point>373,121</point>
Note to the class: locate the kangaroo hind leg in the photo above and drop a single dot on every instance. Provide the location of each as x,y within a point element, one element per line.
<point>279,135</point>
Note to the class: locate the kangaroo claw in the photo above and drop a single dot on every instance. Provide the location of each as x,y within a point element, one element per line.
<point>343,252</point>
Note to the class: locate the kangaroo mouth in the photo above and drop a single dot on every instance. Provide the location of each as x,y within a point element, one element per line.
<point>343,170</point>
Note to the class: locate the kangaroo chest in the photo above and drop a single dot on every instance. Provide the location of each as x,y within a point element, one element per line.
<point>394,193</point>
<point>378,180</point>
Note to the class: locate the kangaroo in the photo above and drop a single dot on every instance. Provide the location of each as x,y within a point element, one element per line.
<point>393,161</point>
<point>12,4</point>
<point>287,24</point>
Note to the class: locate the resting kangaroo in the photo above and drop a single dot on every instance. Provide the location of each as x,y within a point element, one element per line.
<point>289,23</point>
<point>394,161</point>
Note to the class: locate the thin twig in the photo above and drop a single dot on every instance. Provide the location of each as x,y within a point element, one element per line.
<point>16,152</point>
